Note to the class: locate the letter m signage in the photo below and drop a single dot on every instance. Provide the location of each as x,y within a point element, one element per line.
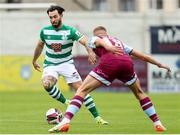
<point>165,39</point>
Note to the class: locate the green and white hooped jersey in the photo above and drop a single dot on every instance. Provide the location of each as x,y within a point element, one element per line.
<point>59,43</point>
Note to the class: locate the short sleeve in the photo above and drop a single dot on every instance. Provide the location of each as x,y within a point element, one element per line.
<point>91,42</point>
<point>42,36</point>
<point>76,35</point>
<point>127,49</point>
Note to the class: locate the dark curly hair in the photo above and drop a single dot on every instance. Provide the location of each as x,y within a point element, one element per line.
<point>55,7</point>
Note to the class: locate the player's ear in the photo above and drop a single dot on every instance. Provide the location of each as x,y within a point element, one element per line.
<point>61,15</point>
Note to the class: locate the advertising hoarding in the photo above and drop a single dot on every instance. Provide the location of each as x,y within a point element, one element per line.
<point>160,80</point>
<point>165,39</point>
<point>17,73</point>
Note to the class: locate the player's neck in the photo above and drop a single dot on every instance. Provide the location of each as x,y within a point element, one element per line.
<point>58,27</point>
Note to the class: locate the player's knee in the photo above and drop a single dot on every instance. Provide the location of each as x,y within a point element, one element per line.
<point>82,92</point>
<point>49,82</point>
<point>47,85</point>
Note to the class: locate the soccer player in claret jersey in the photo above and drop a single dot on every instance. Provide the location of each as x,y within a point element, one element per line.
<point>58,39</point>
<point>112,67</point>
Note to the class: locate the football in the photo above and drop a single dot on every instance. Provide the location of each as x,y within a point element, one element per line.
<point>54,116</point>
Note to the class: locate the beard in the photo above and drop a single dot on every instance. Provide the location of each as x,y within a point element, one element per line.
<point>56,24</point>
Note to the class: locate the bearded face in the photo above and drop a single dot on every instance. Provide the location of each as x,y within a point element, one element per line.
<point>55,18</point>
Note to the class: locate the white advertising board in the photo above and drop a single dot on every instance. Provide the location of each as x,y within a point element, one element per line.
<point>161,81</point>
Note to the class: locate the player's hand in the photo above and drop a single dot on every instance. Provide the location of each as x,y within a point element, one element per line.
<point>36,66</point>
<point>92,58</point>
<point>165,67</point>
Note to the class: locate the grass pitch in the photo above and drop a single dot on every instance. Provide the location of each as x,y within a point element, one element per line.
<point>23,112</point>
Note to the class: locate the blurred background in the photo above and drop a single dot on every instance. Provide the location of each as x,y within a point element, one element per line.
<point>150,26</point>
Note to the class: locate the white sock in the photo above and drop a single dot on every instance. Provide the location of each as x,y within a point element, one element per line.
<point>65,120</point>
<point>97,118</point>
<point>157,123</point>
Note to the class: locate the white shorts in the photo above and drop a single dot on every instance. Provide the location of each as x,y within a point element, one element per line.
<point>67,70</point>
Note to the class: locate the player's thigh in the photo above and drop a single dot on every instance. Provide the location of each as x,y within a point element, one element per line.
<point>70,74</point>
<point>49,77</point>
<point>88,85</point>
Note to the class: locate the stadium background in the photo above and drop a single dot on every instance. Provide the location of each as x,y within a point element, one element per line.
<point>150,26</point>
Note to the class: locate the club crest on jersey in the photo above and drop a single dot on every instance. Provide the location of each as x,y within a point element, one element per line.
<point>64,34</point>
<point>64,37</point>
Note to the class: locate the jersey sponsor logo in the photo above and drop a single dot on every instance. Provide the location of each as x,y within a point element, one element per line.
<point>56,47</point>
<point>64,32</point>
<point>53,32</point>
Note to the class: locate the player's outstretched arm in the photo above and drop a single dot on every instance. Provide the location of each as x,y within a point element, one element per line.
<point>111,48</point>
<point>149,59</point>
<point>91,55</point>
<point>37,53</point>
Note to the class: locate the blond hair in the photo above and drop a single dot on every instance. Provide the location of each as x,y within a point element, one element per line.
<point>99,28</point>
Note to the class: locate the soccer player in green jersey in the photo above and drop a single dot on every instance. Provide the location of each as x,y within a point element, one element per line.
<point>58,39</point>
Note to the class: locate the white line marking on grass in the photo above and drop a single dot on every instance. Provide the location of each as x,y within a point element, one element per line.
<point>92,134</point>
